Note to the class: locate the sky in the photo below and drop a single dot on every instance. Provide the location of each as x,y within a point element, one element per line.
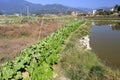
<point>79,3</point>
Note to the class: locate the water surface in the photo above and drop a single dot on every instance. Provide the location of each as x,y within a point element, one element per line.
<point>105,42</point>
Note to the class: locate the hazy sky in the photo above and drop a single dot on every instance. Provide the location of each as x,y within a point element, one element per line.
<point>80,3</point>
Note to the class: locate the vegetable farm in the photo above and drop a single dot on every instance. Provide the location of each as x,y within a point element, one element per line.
<point>36,62</point>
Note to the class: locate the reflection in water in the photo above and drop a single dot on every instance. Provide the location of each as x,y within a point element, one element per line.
<point>114,25</point>
<point>105,42</point>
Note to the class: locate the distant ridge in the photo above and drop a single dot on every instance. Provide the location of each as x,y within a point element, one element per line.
<point>19,6</point>
<point>105,8</point>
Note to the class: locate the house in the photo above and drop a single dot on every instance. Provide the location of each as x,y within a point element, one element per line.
<point>94,12</point>
<point>112,9</point>
<point>74,13</point>
<point>16,14</point>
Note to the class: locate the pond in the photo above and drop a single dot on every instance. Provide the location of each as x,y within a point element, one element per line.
<point>105,42</point>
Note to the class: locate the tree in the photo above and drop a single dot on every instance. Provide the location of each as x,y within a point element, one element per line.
<point>1,13</point>
<point>117,8</point>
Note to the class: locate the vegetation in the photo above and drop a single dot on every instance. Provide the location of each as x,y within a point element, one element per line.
<point>13,20</point>
<point>14,38</point>
<point>114,12</point>
<point>36,62</point>
<point>105,13</point>
<point>80,64</point>
<point>117,8</point>
<point>104,18</point>
<point>33,8</point>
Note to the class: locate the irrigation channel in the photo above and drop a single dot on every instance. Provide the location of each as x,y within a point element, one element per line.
<point>105,42</point>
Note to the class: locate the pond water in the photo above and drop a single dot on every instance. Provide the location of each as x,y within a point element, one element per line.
<point>105,42</point>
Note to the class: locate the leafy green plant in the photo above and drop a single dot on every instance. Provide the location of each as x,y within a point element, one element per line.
<point>38,59</point>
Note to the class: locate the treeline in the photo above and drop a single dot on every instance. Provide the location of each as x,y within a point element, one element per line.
<point>115,11</point>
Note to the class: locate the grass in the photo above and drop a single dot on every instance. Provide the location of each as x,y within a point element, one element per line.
<point>80,64</point>
<point>17,20</point>
<point>109,18</point>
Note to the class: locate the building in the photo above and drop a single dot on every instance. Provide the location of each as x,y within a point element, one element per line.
<point>16,14</point>
<point>74,13</point>
<point>94,12</point>
<point>112,9</point>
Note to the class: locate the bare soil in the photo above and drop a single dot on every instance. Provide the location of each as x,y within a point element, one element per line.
<point>14,38</point>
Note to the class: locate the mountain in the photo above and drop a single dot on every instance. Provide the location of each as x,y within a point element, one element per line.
<point>105,8</point>
<point>17,6</point>
<point>56,8</point>
<point>20,6</point>
<point>86,10</point>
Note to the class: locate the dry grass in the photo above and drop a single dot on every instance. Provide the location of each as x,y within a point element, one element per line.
<point>14,38</point>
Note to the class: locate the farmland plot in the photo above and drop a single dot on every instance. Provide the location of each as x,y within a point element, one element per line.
<point>14,38</point>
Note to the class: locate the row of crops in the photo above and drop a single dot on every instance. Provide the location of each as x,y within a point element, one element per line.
<point>30,19</point>
<point>36,62</point>
<point>19,20</point>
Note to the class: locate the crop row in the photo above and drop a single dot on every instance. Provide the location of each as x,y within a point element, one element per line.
<point>36,62</point>
<point>30,19</point>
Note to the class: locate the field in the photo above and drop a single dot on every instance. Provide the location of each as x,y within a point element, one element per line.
<point>16,37</point>
<point>103,18</point>
<point>37,60</point>
<point>49,49</point>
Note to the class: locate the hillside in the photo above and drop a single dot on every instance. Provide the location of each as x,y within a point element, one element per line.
<point>19,6</point>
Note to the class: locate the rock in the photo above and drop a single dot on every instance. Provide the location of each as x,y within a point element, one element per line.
<point>25,74</point>
<point>85,42</point>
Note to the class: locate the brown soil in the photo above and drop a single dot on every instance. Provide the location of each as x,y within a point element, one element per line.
<point>14,38</point>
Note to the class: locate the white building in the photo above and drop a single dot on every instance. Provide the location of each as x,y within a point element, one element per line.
<point>112,9</point>
<point>16,14</point>
<point>94,12</point>
<point>74,13</point>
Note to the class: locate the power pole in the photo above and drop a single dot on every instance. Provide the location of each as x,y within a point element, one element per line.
<point>28,13</point>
